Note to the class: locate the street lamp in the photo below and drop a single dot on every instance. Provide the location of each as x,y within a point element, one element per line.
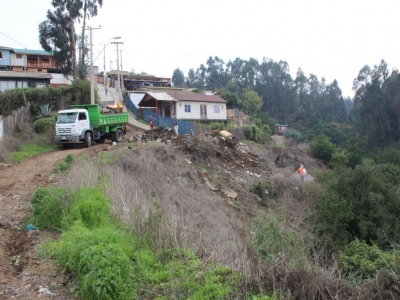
<point>104,57</point>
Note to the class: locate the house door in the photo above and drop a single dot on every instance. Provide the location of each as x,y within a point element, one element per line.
<point>168,111</point>
<point>203,111</point>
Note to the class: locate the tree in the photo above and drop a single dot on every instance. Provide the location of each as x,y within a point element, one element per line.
<point>322,148</point>
<point>191,78</point>
<point>90,9</point>
<point>252,103</point>
<point>56,36</point>
<point>178,79</point>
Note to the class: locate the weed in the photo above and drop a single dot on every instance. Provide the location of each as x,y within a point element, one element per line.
<point>90,207</point>
<point>62,167</point>
<point>106,272</point>
<point>49,206</point>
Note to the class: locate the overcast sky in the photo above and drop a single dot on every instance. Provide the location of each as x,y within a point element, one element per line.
<point>331,39</point>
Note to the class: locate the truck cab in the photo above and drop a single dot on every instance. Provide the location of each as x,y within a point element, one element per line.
<point>73,127</point>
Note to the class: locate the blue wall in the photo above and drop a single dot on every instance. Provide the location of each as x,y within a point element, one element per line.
<point>6,58</point>
<point>184,127</point>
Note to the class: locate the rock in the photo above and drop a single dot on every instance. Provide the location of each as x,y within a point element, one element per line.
<point>114,144</point>
<point>229,193</point>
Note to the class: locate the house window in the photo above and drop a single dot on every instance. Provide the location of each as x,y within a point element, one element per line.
<point>40,85</point>
<point>19,55</point>
<point>1,55</point>
<point>5,85</point>
<point>187,108</point>
<point>22,84</point>
<point>216,109</point>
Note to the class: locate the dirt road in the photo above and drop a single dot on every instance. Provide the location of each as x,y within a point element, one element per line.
<point>23,275</point>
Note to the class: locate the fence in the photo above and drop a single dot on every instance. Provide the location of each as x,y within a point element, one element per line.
<point>16,120</point>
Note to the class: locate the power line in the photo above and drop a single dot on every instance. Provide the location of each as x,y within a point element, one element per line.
<point>15,40</point>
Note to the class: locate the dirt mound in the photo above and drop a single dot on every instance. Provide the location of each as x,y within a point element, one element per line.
<point>230,154</point>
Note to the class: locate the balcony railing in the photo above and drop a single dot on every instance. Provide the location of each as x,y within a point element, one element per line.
<point>42,64</point>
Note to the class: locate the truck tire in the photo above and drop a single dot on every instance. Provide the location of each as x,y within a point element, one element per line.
<point>88,139</point>
<point>119,135</point>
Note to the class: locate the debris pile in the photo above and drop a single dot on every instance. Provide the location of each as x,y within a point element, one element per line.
<point>212,147</point>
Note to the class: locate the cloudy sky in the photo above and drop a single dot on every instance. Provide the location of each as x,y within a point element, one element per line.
<point>331,39</point>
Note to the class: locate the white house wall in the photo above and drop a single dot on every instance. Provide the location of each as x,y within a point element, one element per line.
<point>195,110</point>
<point>18,62</point>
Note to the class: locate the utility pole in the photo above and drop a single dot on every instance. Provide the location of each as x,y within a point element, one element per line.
<point>119,80</point>
<point>91,65</point>
<point>122,69</point>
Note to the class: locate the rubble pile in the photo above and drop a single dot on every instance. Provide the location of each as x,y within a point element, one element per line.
<point>229,154</point>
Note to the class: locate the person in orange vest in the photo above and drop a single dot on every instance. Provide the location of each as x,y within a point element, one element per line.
<point>302,172</point>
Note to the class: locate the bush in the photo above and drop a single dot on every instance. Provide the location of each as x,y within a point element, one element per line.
<point>66,164</point>
<point>322,148</point>
<point>362,261</point>
<point>49,206</point>
<point>294,134</point>
<point>252,132</point>
<point>101,260</point>
<point>362,203</point>
<point>217,125</point>
<point>43,125</point>
<point>106,271</point>
<point>91,208</point>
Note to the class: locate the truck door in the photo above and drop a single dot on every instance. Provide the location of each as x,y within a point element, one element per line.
<point>83,122</point>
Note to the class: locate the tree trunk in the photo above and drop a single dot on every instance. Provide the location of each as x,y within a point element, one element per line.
<point>73,46</point>
<point>83,35</point>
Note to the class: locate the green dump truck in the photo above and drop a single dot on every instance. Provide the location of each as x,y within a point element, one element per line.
<point>85,123</point>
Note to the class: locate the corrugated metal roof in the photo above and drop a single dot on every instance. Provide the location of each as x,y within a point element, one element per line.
<point>34,52</point>
<point>4,74</point>
<point>196,97</point>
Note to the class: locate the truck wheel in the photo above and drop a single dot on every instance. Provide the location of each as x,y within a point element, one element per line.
<point>88,139</point>
<point>119,135</point>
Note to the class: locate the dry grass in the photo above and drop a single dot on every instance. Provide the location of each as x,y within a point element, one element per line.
<point>153,182</point>
<point>9,144</point>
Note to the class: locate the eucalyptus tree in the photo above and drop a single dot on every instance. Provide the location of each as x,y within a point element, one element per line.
<point>56,35</point>
<point>191,78</point>
<point>215,76</point>
<point>89,9</point>
<point>178,79</point>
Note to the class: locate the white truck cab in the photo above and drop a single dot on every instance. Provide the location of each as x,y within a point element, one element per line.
<point>72,126</point>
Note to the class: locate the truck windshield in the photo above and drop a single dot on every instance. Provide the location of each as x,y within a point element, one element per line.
<point>66,118</point>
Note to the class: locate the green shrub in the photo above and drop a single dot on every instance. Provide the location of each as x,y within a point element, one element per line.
<point>49,206</point>
<point>362,203</point>
<point>294,134</point>
<point>362,261</point>
<point>264,190</point>
<point>44,124</point>
<point>90,207</point>
<point>218,125</point>
<point>78,238</point>
<point>106,272</point>
<point>252,132</point>
<point>322,148</point>
<point>66,164</point>
<point>70,159</point>
<point>62,167</point>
